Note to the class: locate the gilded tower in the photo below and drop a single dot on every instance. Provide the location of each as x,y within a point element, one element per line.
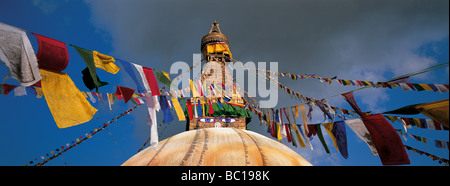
<point>216,88</point>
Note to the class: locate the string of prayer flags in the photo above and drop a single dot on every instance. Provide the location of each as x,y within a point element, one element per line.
<point>437,143</point>
<point>52,54</point>
<point>442,88</point>
<point>66,103</point>
<point>18,55</point>
<point>77,141</point>
<point>441,160</point>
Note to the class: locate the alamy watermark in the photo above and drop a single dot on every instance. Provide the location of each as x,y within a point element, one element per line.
<point>217,79</point>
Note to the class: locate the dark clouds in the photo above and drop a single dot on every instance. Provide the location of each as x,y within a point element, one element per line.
<point>351,39</point>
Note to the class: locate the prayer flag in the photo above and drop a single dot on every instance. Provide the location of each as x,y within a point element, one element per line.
<point>349,97</point>
<point>386,140</point>
<point>105,62</point>
<point>300,140</point>
<point>442,89</point>
<point>127,93</point>
<point>88,58</point>
<point>18,55</point>
<point>361,131</point>
<point>52,54</point>
<point>328,127</point>
<point>163,77</point>
<point>193,89</point>
<point>178,109</point>
<point>165,108</point>
<point>152,106</point>
<point>89,81</point>
<point>341,137</point>
<point>438,110</point>
<point>127,66</point>
<point>189,108</point>
<point>151,79</point>
<point>67,105</point>
<point>7,88</point>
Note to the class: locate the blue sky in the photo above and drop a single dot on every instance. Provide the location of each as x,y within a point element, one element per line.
<point>350,39</point>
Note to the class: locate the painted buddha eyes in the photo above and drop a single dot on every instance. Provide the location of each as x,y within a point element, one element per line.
<point>228,120</point>
<point>224,120</point>
<point>207,120</point>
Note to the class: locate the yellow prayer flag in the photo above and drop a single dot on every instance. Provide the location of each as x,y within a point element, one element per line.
<point>105,62</point>
<point>299,137</point>
<point>295,110</point>
<point>425,86</point>
<point>368,83</point>
<point>178,109</point>
<point>65,101</point>
<point>193,89</point>
<point>305,122</point>
<point>328,127</point>
<point>437,110</point>
<point>277,124</point>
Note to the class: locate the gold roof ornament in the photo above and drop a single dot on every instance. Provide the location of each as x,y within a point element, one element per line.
<point>214,36</point>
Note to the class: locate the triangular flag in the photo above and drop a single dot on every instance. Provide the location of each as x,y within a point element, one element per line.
<point>127,93</point>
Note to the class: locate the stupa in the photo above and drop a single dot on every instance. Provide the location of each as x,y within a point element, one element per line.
<point>217,136</point>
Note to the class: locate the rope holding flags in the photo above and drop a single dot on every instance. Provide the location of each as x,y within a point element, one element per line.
<point>48,157</point>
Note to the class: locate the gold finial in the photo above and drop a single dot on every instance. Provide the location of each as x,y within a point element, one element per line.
<point>215,27</point>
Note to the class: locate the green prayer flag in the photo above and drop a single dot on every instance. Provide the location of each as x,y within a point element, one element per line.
<point>418,87</point>
<point>88,58</point>
<point>322,140</point>
<point>162,78</point>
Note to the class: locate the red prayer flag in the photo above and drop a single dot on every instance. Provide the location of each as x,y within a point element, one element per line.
<point>311,130</point>
<point>7,88</point>
<point>189,107</point>
<point>349,97</point>
<point>386,140</point>
<point>211,111</point>
<point>272,131</point>
<point>151,79</point>
<point>127,93</point>
<point>288,133</point>
<point>52,54</point>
